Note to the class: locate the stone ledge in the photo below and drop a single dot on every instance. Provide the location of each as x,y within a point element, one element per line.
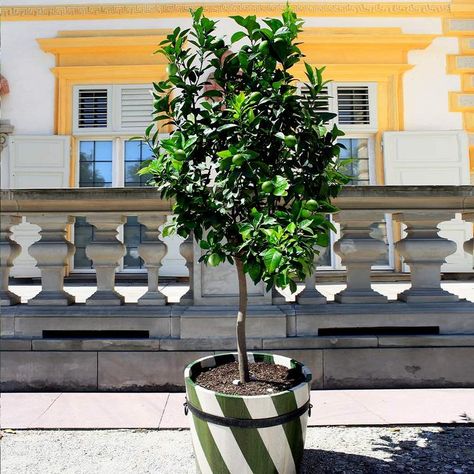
<point>95,344</point>
<point>15,344</point>
<point>34,326</point>
<point>214,344</point>
<point>319,342</point>
<point>450,340</point>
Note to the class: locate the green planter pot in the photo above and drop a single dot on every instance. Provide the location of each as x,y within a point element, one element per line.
<point>247,434</point>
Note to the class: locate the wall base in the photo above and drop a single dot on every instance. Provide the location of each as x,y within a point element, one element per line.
<point>157,364</point>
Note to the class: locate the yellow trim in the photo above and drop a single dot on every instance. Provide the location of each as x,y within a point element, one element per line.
<point>458,33</point>
<point>452,65</point>
<point>376,55</point>
<point>467,82</point>
<point>454,102</point>
<point>220,9</point>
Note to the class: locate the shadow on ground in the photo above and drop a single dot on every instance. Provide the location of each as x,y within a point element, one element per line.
<point>449,450</point>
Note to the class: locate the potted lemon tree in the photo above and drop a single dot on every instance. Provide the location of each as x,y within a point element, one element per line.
<point>251,165</point>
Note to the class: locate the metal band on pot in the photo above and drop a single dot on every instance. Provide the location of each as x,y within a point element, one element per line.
<point>245,423</point>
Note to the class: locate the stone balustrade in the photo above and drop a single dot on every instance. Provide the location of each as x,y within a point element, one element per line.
<point>420,208</point>
<point>421,339</point>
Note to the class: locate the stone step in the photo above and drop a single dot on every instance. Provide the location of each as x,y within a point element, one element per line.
<point>394,365</point>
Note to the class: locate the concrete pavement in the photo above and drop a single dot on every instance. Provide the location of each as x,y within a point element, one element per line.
<point>165,410</point>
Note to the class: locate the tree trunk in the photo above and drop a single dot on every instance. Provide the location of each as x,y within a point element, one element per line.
<point>240,326</point>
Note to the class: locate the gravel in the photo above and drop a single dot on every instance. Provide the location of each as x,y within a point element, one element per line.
<point>350,450</point>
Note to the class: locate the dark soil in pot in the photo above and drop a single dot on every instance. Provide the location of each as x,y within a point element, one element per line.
<point>265,379</point>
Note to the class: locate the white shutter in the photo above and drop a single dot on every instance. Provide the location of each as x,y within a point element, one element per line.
<point>136,107</point>
<point>92,108</point>
<point>39,161</point>
<point>432,158</point>
<point>354,105</point>
<point>36,162</point>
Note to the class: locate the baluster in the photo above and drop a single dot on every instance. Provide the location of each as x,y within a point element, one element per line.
<point>186,250</point>
<point>310,295</point>
<point>105,252</point>
<point>425,251</point>
<point>358,252</point>
<point>52,253</point>
<point>152,250</point>
<point>9,250</point>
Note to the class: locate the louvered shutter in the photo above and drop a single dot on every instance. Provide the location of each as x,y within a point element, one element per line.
<point>353,105</point>
<point>92,108</point>
<point>136,107</point>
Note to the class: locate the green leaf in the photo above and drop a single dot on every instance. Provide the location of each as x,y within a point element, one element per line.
<point>237,36</point>
<point>227,126</point>
<point>224,154</point>
<point>272,258</point>
<point>254,270</point>
<point>204,244</point>
<point>280,186</point>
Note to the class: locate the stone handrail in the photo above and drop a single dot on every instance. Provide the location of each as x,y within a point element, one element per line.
<point>420,208</point>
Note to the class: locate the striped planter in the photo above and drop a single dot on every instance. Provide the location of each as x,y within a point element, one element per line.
<point>247,434</point>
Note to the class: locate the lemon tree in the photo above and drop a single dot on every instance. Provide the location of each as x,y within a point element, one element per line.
<point>251,163</point>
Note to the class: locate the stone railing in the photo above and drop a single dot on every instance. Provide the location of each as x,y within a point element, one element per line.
<point>419,208</point>
<point>360,340</point>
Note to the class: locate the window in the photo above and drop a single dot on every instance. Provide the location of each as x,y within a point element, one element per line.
<point>355,106</point>
<point>114,108</point>
<point>105,118</point>
<point>95,163</point>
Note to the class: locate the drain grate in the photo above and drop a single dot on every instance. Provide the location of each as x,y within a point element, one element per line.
<point>380,331</point>
<point>83,334</point>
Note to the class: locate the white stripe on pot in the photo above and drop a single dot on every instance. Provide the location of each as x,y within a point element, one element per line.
<point>223,437</point>
<point>274,438</point>
<point>281,360</point>
<point>201,459</point>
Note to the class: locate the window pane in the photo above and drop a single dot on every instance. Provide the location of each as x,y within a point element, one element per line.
<point>357,151</point>
<point>103,151</point>
<point>86,174</point>
<point>80,259</point>
<point>136,152</point>
<point>95,167</point>
<point>132,236</point>
<point>86,151</point>
<point>132,260</point>
<point>325,257</point>
<point>132,150</point>
<point>82,235</point>
<point>103,173</point>
<point>379,232</point>
<point>131,176</point>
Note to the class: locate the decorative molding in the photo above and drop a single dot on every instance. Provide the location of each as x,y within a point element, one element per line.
<point>215,9</point>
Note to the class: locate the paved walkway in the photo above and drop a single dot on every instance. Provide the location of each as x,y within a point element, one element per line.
<point>165,410</point>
